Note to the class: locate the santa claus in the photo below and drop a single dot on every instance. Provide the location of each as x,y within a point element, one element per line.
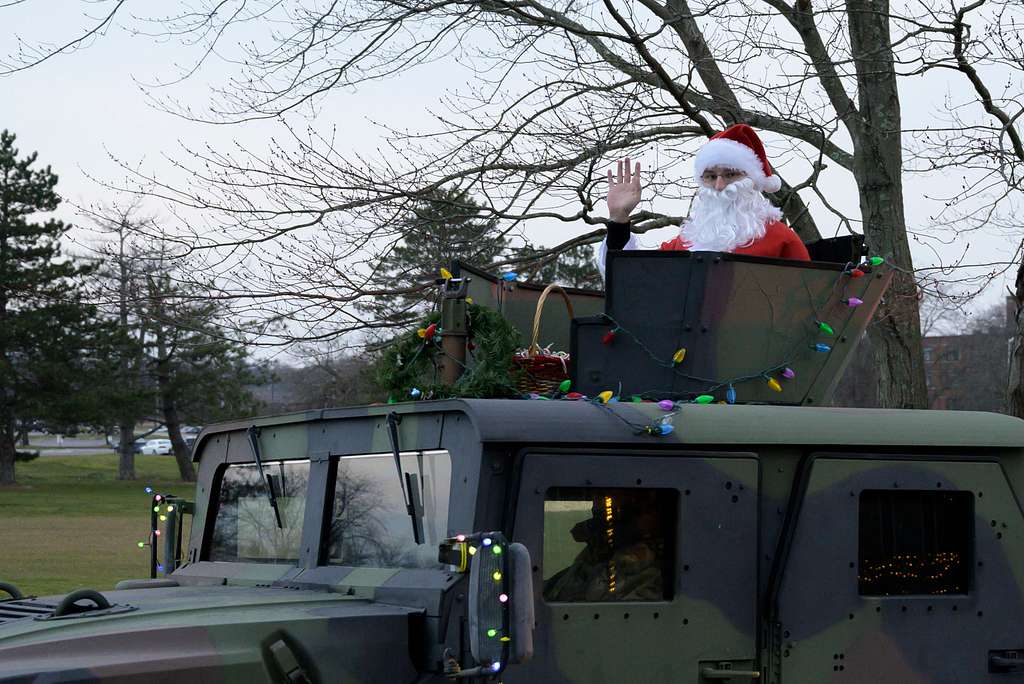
<point>730,212</point>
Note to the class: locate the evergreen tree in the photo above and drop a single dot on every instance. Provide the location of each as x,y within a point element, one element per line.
<point>438,230</point>
<point>575,267</point>
<point>201,368</point>
<point>52,346</point>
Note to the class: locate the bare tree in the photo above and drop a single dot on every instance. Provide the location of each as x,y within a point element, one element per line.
<point>554,91</point>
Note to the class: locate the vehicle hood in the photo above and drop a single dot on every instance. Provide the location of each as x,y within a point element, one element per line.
<point>210,634</point>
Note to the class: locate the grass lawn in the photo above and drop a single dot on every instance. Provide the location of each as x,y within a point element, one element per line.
<point>70,523</point>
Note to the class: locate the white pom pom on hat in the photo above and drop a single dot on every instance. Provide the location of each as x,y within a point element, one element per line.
<point>737,147</point>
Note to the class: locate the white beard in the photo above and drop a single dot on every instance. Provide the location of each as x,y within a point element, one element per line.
<point>734,217</point>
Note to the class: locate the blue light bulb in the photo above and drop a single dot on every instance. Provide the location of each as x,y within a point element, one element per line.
<point>487,541</point>
<point>823,348</point>
<point>496,666</point>
<point>730,395</point>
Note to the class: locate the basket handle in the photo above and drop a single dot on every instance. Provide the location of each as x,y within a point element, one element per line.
<point>534,348</point>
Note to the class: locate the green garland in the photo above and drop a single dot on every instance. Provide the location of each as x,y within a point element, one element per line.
<point>408,370</point>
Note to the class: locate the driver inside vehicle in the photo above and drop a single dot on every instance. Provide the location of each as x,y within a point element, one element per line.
<point>624,557</point>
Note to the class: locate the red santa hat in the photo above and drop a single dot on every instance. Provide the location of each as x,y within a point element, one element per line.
<point>737,147</point>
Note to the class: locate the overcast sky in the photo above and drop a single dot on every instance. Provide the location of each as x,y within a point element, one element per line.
<point>77,110</point>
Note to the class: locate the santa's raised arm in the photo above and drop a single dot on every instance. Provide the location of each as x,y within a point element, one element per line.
<point>730,212</point>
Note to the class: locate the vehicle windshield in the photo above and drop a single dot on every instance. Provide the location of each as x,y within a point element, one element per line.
<point>246,527</point>
<point>370,526</point>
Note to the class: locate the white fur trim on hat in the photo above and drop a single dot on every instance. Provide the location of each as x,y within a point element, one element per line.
<point>734,155</point>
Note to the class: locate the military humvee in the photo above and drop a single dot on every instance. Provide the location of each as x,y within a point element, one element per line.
<point>548,541</point>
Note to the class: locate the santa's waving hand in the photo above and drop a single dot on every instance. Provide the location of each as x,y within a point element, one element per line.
<point>730,212</point>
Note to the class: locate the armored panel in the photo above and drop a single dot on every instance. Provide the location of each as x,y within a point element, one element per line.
<point>741,320</point>
<point>518,303</point>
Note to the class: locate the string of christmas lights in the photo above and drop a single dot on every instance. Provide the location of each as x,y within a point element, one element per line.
<point>771,375</point>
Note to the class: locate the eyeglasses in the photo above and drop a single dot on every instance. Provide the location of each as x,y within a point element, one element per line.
<point>728,176</point>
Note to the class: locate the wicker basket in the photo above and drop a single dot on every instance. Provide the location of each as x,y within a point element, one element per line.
<point>541,371</point>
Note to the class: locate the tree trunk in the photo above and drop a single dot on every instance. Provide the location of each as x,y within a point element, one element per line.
<point>7,451</point>
<point>126,452</point>
<point>172,419</point>
<point>878,165</point>
<point>1015,398</point>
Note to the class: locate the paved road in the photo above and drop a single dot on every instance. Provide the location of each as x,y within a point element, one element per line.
<point>49,445</point>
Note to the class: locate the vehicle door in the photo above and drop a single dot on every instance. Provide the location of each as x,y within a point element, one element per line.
<point>645,566</point>
<point>904,570</point>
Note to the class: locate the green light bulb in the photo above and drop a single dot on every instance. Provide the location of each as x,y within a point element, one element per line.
<point>876,261</point>
<point>565,385</point>
<point>492,632</point>
<point>826,328</point>
<point>704,399</point>
<point>142,545</point>
<point>496,549</point>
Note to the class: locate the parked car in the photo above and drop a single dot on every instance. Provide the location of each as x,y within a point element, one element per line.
<point>157,446</point>
<point>136,445</point>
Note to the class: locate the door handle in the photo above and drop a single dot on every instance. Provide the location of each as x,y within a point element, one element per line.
<point>1006,661</point>
<point>728,673</point>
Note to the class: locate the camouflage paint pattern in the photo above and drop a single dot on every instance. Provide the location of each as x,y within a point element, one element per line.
<point>790,532</point>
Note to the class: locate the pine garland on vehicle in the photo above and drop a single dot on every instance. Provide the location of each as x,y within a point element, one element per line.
<point>409,369</point>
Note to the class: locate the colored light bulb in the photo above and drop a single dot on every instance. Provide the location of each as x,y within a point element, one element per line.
<point>156,509</point>
<point>460,537</point>
<point>496,575</point>
<point>636,399</point>
<point>471,550</point>
<point>429,331</point>
<point>574,395</point>
<point>422,332</point>
<point>149,490</point>
<point>496,666</point>
<point>158,498</point>
<point>666,429</point>
<point>160,568</point>
<point>856,273</point>
<point>445,273</point>
<point>415,393</point>
<point>826,328</point>
<point>163,518</point>
<point>608,337</point>
<point>819,347</point>
<point>774,385</point>
<point>853,302</point>
<point>788,373</point>
<point>487,541</point>
<point>704,399</point>
<point>492,632</point>
<point>605,396</point>
<point>156,532</point>
<point>469,300</point>
<point>510,276</point>
<point>391,400</point>
<point>680,354</point>
<point>503,598</point>
<point>666,405</point>
<point>876,261</point>
<point>170,509</point>
<point>564,385</point>
<point>142,545</point>
<point>730,395</point>
<point>496,550</point>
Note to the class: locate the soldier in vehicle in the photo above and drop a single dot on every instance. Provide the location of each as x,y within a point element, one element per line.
<point>624,556</point>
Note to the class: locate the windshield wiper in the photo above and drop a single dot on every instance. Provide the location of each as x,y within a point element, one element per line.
<point>408,481</point>
<point>254,444</point>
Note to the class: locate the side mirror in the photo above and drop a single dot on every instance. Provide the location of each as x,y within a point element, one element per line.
<point>500,599</point>
<point>168,512</point>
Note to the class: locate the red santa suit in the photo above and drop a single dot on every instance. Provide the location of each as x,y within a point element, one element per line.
<point>779,241</point>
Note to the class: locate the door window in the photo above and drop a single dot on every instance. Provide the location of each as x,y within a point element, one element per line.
<point>914,542</point>
<point>609,544</point>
